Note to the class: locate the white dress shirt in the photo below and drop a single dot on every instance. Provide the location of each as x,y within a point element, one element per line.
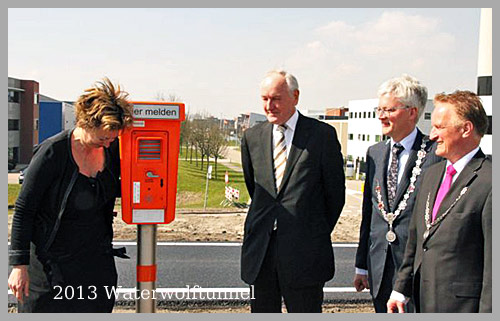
<point>291,123</point>
<point>460,164</point>
<point>289,132</point>
<point>407,144</point>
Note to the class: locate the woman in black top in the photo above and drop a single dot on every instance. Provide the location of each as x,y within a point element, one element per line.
<point>61,237</point>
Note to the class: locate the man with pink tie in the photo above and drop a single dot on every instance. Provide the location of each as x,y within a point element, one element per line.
<point>447,261</point>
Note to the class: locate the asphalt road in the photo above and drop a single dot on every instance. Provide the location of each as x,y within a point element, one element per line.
<point>216,265</point>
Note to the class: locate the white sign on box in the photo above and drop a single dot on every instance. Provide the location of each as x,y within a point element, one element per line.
<point>148,216</point>
<point>137,192</point>
<point>156,112</point>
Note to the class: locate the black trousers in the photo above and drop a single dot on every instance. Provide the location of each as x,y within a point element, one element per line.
<point>83,287</point>
<point>384,293</point>
<point>268,290</point>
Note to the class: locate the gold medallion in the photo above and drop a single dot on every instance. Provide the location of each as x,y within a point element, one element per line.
<point>390,236</point>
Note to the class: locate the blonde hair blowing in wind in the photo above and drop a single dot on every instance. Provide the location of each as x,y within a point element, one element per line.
<point>103,106</point>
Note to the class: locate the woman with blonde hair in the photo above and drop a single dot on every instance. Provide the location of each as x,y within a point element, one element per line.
<point>61,250</point>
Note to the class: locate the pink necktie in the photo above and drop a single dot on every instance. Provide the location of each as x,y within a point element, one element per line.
<point>443,190</point>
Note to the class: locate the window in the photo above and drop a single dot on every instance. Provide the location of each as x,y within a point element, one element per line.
<point>364,114</point>
<point>377,138</point>
<point>35,125</point>
<point>13,124</point>
<point>427,116</point>
<point>374,116</point>
<point>14,154</point>
<point>35,99</point>
<point>351,136</point>
<point>363,137</point>
<point>13,96</point>
<point>367,138</point>
<point>359,136</point>
<point>350,115</point>
<point>490,126</point>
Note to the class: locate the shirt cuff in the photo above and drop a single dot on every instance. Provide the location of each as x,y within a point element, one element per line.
<point>361,271</point>
<point>399,297</point>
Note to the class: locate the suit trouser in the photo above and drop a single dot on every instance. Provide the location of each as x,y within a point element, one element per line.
<point>384,292</point>
<point>268,290</point>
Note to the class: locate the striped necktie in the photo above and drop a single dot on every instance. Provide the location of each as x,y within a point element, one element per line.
<point>279,156</point>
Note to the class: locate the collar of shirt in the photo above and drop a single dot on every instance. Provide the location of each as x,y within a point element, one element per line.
<point>461,163</point>
<point>407,144</point>
<point>408,141</point>
<point>291,123</point>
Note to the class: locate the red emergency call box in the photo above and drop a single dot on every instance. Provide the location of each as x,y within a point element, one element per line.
<point>149,153</point>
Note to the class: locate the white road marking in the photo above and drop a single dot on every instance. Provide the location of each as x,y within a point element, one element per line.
<point>190,289</point>
<point>229,244</point>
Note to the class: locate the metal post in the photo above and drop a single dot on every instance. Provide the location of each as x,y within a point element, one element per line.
<point>206,195</point>
<point>146,268</point>
<point>209,176</point>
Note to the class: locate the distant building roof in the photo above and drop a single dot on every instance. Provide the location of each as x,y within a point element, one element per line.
<point>47,98</point>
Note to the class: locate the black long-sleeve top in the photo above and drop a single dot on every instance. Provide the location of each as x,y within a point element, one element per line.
<point>40,201</point>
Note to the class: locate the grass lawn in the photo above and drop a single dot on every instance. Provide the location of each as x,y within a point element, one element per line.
<point>191,184</point>
<point>193,179</point>
<point>13,192</point>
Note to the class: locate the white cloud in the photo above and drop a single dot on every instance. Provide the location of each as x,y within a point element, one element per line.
<point>391,35</point>
<point>357,57</point>
<point>335,28</point>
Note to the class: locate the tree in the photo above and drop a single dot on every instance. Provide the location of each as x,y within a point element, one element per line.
<point>174,98</point>
<point>184,135</point>
<point>201,138</point>
<point>217,144</point>
<point>170,97</point>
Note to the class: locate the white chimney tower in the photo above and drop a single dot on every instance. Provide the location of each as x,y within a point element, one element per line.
<point>485,73</point>
<point>484,65</point>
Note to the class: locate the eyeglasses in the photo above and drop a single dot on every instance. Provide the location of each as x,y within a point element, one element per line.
<point>387,111</point>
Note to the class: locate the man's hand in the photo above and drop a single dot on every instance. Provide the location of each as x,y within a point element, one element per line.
<point>361,282</point>
<point>395,306</point>
<point>19,282</point>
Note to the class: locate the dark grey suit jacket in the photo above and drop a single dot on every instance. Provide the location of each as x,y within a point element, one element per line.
<point>450,271</point>
<point>372,248</point>
<point>307,206</point>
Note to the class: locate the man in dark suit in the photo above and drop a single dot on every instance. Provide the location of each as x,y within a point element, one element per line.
<point>392,180</point>
<point>447,261</point>
<point>293,170</point>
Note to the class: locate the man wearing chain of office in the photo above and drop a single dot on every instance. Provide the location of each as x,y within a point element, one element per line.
<point>447,261</point>
<point>393,172</point>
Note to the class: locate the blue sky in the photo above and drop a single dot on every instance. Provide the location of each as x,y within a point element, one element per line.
<point>215,58</point>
